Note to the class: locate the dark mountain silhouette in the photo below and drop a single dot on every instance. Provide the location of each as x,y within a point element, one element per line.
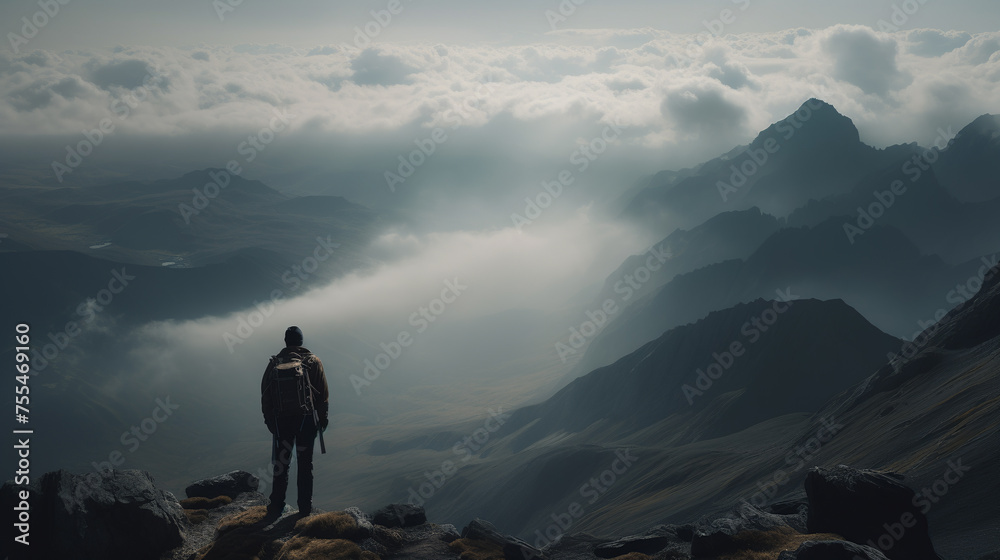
<point>793,365</point>
<point>729,235</point>
<point>191,219</point>
<point>926,212</point>
<point>812,351</point>
<point>811,154</point>
<point>970,166</point>
<point>873,275</point>
<point>235,250</point>
<point>929,416</point>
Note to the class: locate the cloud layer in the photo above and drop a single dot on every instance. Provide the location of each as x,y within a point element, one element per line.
<point>675,87</point>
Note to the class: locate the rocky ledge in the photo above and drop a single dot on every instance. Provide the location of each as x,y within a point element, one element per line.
<point>846,514</point>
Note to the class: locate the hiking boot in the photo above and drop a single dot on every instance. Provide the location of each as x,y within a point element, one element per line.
<point>272,515</point>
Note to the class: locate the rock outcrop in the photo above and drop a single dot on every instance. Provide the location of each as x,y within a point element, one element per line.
<point>114,515</point>
<point>870,508</point>
<point>400,515</point>
<point>231,484</point>
<point>847,515</point>
<point>832,550</point>
<point>720,535</point>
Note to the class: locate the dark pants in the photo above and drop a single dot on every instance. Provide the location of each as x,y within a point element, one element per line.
<point>298,433</point>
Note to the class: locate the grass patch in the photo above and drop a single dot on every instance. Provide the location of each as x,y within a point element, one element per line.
<point>469,549</point>
<point>196,516</point>
<point>333,525</point>
<point>242,519</point>
<point>767,545</point>
<point>308,548</point>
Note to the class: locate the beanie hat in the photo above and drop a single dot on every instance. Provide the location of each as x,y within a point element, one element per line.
<point>293,336</point>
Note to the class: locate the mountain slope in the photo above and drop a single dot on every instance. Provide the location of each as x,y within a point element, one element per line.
<point>199,218</point>
<point>912,200</point>
<point>970,166</point>
<point>811,154</point>
<point>728,235</point>
<point>544,452</point>
<point>772,357</point>
<point>873,275</point>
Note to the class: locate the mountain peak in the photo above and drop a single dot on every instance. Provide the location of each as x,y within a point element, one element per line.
<point>816,104</point>
<point>814,123</point>
<point>984,130</point>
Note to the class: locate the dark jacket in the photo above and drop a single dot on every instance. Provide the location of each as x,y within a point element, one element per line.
<point>317,377</point>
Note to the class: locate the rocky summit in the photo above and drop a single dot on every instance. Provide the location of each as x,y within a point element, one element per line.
<point>846,513</point>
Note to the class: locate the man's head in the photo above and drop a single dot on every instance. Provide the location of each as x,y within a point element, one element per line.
<point>293,336</point>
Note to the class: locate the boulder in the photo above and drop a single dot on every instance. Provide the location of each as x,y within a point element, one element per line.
<point>832,550</point>
<point>715,537</point>
<point>513,547</point>
<point>231,484</point>
<point>449,532</point>
<point>870,508</point>
<point>400,515</point>
<point>649,543</point>
<point>115,515</point>
<point>365,527</point>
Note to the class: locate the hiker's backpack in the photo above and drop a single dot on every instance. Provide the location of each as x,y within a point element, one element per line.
<point>291,391</point>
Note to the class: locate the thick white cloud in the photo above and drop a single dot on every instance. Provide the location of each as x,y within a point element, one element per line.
<point>670,86</point>
<point>865,59</point>
<point>704,108</point>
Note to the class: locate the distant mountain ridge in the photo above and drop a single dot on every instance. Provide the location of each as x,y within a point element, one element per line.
<point>813,153</point>
<point>195,219</point>
<point>241,244</point>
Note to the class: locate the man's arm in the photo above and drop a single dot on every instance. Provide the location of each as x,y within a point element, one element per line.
<point>266,406</point>
<point>319,383</point>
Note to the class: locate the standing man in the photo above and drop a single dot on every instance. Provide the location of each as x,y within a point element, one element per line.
<point>293,388</point>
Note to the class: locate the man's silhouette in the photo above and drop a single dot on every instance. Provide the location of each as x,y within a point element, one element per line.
<point>287,401</point>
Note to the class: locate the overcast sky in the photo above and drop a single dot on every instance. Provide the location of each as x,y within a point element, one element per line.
<point>102,23</point>
<point>529,83</point>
